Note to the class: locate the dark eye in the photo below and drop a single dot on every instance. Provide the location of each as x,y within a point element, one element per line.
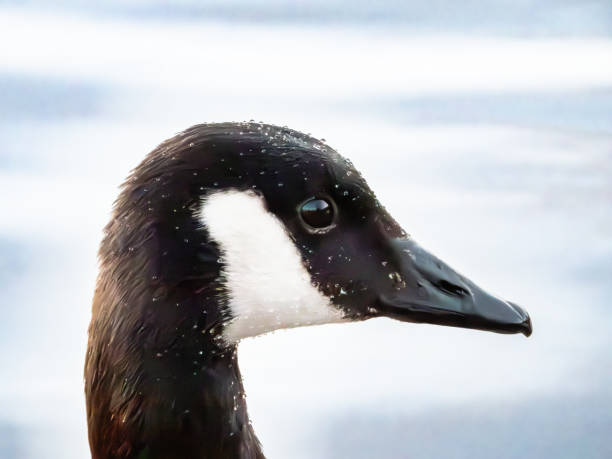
<point>317,213</point>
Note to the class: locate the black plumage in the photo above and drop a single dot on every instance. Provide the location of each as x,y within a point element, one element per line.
<point>159,384</point>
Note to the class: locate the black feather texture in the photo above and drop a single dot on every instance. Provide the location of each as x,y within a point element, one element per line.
<point>159,382</point>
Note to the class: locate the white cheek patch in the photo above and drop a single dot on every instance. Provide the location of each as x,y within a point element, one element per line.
<point>267,283</point>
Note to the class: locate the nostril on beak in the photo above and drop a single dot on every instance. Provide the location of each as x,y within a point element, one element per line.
<point>451,289</point>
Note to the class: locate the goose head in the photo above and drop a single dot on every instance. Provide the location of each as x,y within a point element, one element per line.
<point>233,230</point>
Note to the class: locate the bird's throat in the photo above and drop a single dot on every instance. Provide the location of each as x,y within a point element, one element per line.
<point>173,406</point>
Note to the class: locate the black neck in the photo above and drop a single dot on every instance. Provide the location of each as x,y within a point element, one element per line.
<point>159,382</point>
<point>182,401</point>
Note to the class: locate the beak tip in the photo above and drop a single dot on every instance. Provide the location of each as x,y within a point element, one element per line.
<point>527,328</point>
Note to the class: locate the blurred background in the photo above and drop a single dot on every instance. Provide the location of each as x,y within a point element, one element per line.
<point>485,127</point>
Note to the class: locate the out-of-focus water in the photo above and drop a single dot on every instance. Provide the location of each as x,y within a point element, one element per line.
<point>486,131</point>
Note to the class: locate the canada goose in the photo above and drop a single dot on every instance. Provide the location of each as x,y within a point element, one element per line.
<point>232,230</point>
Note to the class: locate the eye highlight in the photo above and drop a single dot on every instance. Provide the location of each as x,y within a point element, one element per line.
<point>317,213</point>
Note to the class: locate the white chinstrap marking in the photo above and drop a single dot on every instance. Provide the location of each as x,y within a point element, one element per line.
<point>267,283</point>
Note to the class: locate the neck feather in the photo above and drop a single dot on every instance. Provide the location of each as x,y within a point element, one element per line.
<point>159,383</point>
<point>180,402</point>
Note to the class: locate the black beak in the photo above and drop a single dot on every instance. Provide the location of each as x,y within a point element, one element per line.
<point>427,290</point>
